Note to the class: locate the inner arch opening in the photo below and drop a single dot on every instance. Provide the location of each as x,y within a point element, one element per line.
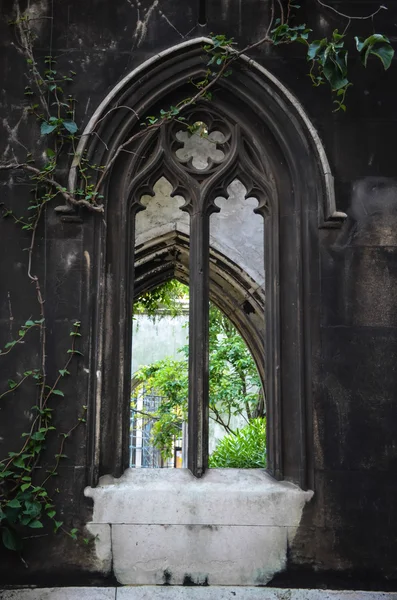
<point>159,398</point>
<point>232,290</point>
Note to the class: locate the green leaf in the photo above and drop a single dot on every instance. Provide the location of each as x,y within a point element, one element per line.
<point>315,47</point>
<point>51,513</point>
<point>46,128</point>
<point>36,524</point>
<point>377,45</point>
<point>376,38</point>
<point>336,36</point>
<point>25,486</point>
<point>58,393</point>
<point>333,75</point>
<point>359,43</point>
<point>14,503</point>
<point>11,540</point>
<point>70,126</point>
<point>5,474</point>
<point>33,509</point>
<point>58,524</point>
<point>385,53</point>
<point>340,59</point>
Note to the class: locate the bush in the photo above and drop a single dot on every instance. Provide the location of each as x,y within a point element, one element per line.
<point>244,450</point>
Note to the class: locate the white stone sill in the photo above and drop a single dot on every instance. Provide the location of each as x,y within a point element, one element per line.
<point>231,527</point>
<point>233,497</point>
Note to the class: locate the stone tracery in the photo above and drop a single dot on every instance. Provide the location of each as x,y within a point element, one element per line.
<point>200,177</point>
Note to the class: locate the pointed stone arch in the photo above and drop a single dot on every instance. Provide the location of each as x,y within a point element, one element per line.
<point>279,158</point>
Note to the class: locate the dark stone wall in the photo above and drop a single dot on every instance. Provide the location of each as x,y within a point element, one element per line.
<point>348,532</point>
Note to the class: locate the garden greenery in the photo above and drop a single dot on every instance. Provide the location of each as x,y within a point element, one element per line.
<point>235,389</point>
<point>245,449</point>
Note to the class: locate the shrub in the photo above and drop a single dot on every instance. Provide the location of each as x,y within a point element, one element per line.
<point>244,450</point>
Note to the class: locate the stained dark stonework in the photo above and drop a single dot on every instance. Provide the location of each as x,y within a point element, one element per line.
<point>348,532</point>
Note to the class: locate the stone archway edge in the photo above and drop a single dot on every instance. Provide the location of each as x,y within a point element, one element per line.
<point>189,593</point>
<point>332,215</point>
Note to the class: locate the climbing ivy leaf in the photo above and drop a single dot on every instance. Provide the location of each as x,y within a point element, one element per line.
<point>36,524</point>
<point>70,126</point>
<point>315,48</point>
<point>46,128</point>
<point>334,75</point>
<point>11,540</point>
<point>378,45</point>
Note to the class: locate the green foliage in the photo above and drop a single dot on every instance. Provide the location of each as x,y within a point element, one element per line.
<point>168,298</point>
<point>234,383</point>
<point>246,449</point>
<point>24,501</point>
<point>329,57</point>
<point>329,60</point>
<point>377,45</point>
<point>29,324</point>
<point>285,33</point>
<point>219,49</point>
<point>169,379</point>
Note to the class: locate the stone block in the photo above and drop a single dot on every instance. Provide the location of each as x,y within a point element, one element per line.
<point>222,497</point>
<point>197,554</point>
<point>103,546</point>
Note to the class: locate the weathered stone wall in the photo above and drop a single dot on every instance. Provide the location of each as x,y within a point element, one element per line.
<point>347,532</point>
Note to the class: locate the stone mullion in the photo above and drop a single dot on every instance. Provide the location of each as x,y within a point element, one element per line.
<point>198,343</point>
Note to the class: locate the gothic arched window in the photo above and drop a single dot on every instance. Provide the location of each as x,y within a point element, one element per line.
<point>257,134</point>
<point>200,178</point>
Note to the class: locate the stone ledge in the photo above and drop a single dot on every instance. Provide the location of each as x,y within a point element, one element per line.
<point>221,497</point>
<point>230,527</point>
<point>188,593</point>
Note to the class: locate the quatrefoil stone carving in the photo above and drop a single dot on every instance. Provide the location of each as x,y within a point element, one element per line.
<point>200,147</point>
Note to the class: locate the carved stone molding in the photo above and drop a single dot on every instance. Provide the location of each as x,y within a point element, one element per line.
<point>269,101</point>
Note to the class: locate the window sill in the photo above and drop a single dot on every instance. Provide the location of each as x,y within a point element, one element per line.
<point>232,526</point>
